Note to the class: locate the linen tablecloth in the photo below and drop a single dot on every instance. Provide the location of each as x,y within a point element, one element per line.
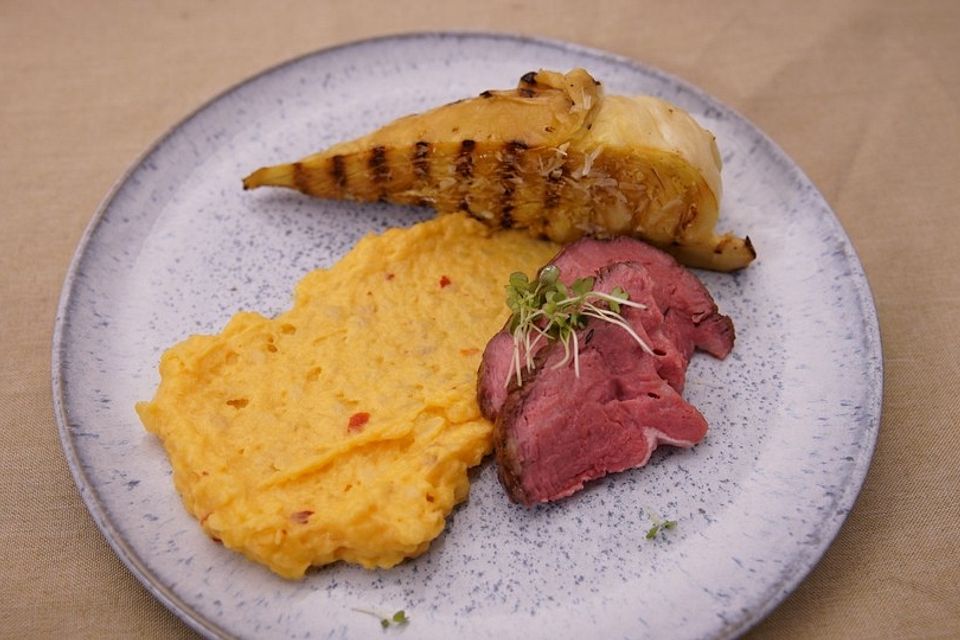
<point>865,96</point>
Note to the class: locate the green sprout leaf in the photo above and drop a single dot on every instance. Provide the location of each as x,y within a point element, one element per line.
<point>519,280</point>
<point>618,295</point>
<point>583,286</point>
<point>659,526</point>
<point>397,619</point>
<point>549,275</point>
<point>546,308</point>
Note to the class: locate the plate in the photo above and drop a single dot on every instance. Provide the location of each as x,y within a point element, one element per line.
<point>178,247</point>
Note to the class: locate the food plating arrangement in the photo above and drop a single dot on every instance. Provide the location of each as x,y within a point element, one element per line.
<point>300,440</point>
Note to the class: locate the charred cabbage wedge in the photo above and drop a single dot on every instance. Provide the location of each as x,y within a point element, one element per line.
<point>555,156</point>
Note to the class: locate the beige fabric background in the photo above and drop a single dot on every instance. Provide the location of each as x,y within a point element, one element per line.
<point>865,96</point>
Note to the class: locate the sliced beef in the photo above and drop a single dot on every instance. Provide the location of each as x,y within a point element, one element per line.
<point>670,358</point>
<point>495,373</point>
<point>677,291</point>
<point>690,316</point>
<point>558,431</point>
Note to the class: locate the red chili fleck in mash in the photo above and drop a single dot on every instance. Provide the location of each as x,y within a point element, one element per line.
<point>357,421</point>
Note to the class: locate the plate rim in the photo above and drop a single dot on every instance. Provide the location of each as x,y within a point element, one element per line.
<point>866,305</point>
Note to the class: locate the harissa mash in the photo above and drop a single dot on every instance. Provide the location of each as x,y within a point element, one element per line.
<point>343,429</point>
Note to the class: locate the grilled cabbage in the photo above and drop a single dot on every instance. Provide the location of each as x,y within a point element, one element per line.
<point>555,156</point>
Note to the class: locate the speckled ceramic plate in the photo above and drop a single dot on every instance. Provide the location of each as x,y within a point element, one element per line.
<point>177,248</point>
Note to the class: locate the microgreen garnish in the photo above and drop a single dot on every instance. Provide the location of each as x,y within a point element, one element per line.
<point>548,309</point>
<point>658,526</point>
<point>397,619</point>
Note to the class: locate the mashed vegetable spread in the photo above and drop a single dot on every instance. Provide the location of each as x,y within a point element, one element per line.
<point>343,429</point>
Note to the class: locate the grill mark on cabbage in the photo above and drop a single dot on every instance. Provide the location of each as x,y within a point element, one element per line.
<point>464,163</point>
<point>421,160</point>
<point>463,168</point>
<point>551,188</point>
<point>300,177</point>
<point>379,169</point>
<point>338,171</point>
<point>509,174</point>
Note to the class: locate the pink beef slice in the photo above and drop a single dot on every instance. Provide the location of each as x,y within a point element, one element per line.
<point>494,374</point>
<point>670,359</point>
<point>558,431</point>
<point>691,318</point>
<point>688,306</point>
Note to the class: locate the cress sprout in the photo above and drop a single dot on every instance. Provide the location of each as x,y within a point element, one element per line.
<point>547,309</point>
<point>397,619</point>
